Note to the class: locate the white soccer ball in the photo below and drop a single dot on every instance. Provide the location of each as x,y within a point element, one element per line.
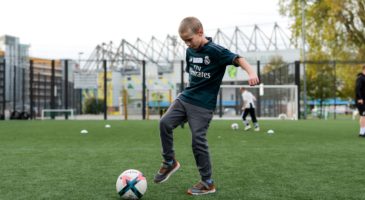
<point>131,184</point>
<point>107,126</point>
<point>270,132</point>
<point>234,126</point>
<point>83,131</point>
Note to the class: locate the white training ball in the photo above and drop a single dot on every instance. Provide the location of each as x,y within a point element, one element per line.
<point>270,132</point>
<point>234,126</point>
<point>84,131</point>
<point>131,184</point>
<point>107,126</point>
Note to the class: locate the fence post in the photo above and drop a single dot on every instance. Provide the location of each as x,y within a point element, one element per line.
<point>105,91</point>
<point>258,96</point>
<point>182,84</point>
<point>182,76</point>
<point>66,88</point>
<point>39,93</point>
<point>80,99</point>
<point>3,89</point>
<point>23,89</point>
<point>220,103</point>
<point>143,89</point>
<point>31,71</point>
<point>334,89</point>
<point>53,89</point>
<point>14,89</point>
<point>125,101</point>
<point>44,91</point>
<point>297,82</point>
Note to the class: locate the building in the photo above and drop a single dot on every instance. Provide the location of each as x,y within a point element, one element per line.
<point>42,84</point>
<point>16,57</point>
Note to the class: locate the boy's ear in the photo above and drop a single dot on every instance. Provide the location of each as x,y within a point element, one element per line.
<point>200,31</point>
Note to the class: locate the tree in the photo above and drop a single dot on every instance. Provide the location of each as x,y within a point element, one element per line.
<point>334,30</point>
<point>334,26</point>
<point>321,81</point>
<point>93,106</point>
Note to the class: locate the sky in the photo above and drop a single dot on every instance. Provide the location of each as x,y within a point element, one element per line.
<point>63,28</point>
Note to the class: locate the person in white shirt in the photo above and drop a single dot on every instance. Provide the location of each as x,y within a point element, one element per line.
<point>249,108</point>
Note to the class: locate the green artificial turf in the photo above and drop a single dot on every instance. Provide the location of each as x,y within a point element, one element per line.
<point>302,160</point>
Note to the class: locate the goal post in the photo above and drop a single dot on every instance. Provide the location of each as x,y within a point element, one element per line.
<point>272,101</point>
<point>50,111</point>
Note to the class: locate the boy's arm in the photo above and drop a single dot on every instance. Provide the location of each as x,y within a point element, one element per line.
<point>252,77</point>
<point>243,104</point>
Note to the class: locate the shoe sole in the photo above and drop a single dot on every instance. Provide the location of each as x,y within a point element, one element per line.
<point>168,176</point>
<point>196,194</point>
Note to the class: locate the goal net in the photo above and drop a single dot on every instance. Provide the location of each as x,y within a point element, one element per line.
<point>272,101</point>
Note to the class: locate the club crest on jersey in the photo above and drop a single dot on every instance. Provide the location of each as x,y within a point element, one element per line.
<point>206,60</point>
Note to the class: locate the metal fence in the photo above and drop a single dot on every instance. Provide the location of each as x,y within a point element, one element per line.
<point>328,90</point>
<point>144,89</point>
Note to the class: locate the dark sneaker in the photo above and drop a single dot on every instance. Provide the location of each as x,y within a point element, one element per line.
<point>361,135</point>
<point>201,188</point>
<point>166,171</point>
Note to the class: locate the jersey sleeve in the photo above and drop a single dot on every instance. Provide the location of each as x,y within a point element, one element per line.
<point>227,57</point>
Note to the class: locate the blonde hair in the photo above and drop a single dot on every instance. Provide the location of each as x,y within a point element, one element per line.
<point>192,24</point>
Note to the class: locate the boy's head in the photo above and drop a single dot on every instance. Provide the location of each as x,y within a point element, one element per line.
<point>242,89</point>
<point>191,32</point>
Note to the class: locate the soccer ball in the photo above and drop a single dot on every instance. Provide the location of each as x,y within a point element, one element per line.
<point>270,132</point>
<point>234,126</point>
<point>131,184</point>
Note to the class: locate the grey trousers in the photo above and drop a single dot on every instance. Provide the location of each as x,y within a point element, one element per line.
<point>198,119</point>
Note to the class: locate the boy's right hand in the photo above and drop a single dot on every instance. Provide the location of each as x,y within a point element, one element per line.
<point>253,79</point>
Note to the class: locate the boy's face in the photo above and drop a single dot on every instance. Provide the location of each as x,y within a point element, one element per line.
<point>192,40</point>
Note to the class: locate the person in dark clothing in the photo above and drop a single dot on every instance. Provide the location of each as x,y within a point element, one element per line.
<point>206,64</point>
<point>360,99</point>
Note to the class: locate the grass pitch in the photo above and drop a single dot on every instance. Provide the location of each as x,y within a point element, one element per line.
<point>302,160</point>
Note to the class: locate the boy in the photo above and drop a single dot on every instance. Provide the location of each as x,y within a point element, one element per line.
<point>249,107</point>
<point>206,64</point>
<point>360,100</point>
